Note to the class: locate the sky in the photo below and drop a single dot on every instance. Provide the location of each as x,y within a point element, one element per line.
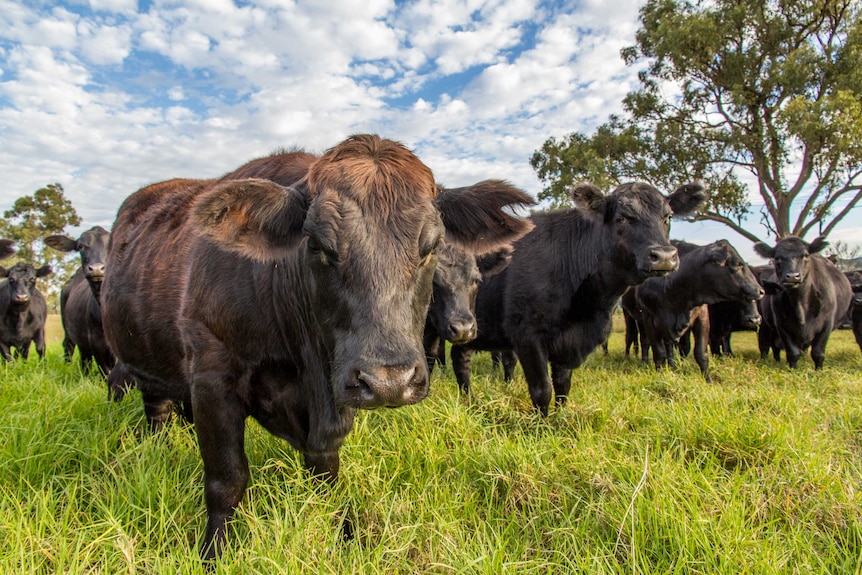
<point>107,96</point>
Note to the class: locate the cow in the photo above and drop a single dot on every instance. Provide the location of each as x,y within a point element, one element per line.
<point>23,310</point>
<point>293,305</point>
<point>726,317</point>
<point>80,308</point>
<point>807,296</point>
<point>665,308</point>
<point>555,300</point>
<point>855,314</point>
<point>7,248</point>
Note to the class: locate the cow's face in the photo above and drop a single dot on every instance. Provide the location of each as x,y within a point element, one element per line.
<point>791,258</point>
<point>22,283</point>
<point>749,317</point>
<point>727,276</point>
<point>370,283</point>
<point>93,247</point>
<point>453,300</point>
<point>637,219</point>
<point>365,226</point>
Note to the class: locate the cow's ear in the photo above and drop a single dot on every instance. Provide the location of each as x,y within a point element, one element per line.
<point>818,245</point>
<point>476,218</point>
<point>62,243</point>
<point>44,271</point>
<point>764,250</point>
<point>588,196</point>
<point>719,252</point>
<point>687,199</point>
<point>494,262</point>
<point>255,218</point>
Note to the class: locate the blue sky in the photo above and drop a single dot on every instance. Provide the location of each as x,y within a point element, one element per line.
<point>106,96</point>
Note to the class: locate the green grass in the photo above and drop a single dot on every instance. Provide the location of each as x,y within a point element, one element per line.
<point>644,471</point>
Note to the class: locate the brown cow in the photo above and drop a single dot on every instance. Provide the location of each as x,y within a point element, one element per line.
<point>295,306</point>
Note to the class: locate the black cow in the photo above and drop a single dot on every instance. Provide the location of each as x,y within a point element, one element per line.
<point>554,302</point>
<point>855,315</point>
<point>807,296</point>
<point>7,248</point>
<point>665,308</point>
<point>23,310</point>
<point>293,305</point>
<point>80,308</point>
<point>726,317</point>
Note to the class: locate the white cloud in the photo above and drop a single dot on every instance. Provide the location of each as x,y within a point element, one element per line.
<point>81,104</point>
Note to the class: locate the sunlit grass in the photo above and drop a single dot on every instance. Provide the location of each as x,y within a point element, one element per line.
<point>643,471</point>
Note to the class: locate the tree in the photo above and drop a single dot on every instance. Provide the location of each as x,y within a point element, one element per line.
<point>32,218</point>
<point>762,94</point>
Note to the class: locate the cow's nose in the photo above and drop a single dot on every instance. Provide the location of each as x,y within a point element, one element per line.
<point>386,385</point>
<point>95,270</point>
<point>21,297</point>
<point>793,277</point>
<point>461,330</point>
<point>663,259</point>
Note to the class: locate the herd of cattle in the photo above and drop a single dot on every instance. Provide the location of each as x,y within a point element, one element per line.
<point>300,288</point>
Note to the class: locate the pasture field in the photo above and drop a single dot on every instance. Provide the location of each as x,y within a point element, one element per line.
<point>643,471</point>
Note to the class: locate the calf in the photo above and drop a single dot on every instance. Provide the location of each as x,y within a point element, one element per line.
<point>726,317</point>
<point>665,308</point>
<point>554,302</point>
<point>80,307</point>
<point>22,310</point>
<point>293,305</point>
<point>807,296</point>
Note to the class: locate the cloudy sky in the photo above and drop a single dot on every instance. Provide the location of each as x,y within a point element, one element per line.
<point>106,96</point>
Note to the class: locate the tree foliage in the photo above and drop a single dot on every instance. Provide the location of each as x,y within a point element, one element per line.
<point>753,97</point>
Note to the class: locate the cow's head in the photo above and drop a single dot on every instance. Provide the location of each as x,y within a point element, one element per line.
<point>93,247</point>
<point>791,259</point>
<point>458,274</point>
<point>7,248</point>
<point>726,274</point>
<point>855,279</point>
<point>368,223</point>
<point>748,315</point>
<point>637,220</point>
<point>22,283</point>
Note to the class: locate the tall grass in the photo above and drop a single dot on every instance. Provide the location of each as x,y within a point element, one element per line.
<point>643,471</point>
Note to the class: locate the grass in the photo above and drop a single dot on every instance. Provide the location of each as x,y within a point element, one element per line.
<point>644,471</point>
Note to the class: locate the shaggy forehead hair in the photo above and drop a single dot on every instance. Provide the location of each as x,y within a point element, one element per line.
<point>380,174</point>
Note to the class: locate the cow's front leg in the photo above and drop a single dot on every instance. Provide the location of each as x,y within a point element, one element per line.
<point>818,347</point>
<point>562,380</point>
<point>534,362</point>
<point>220,426</point>
<point>461,363</point>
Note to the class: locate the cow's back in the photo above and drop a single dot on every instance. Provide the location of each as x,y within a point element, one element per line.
<point>144,282</point>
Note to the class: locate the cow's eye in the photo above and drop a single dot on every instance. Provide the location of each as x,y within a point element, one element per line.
<point>621,219</point>
<point>314,245</point>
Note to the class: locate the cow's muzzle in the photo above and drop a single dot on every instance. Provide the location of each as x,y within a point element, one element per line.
<point>386,386</point>
<point>663,260</point>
